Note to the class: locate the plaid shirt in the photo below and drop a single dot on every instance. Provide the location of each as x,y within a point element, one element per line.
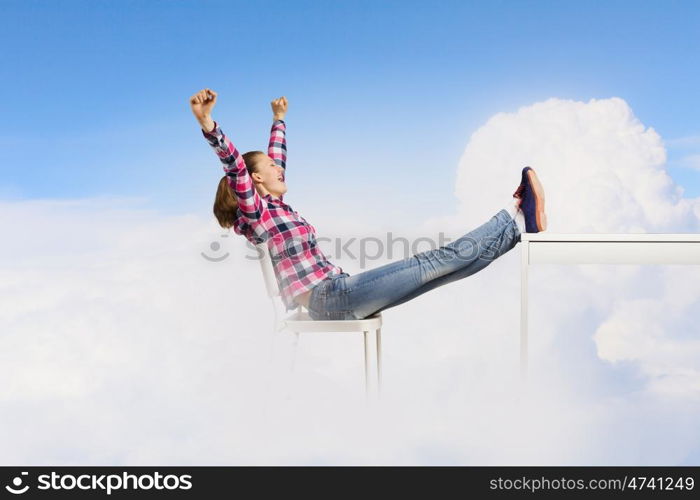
<point>297,260</point>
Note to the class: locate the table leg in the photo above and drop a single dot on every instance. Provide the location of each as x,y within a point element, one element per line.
<point>524,265</point>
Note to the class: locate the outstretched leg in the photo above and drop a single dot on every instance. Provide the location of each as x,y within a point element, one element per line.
<point>356,297</point>
<point>469,269</point>
<point>360,295</point>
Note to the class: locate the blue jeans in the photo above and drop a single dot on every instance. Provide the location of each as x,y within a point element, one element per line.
<point>346,297</point>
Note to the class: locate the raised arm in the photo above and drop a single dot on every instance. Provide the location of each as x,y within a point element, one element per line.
<point>277,147</point>
<point>249,201</point>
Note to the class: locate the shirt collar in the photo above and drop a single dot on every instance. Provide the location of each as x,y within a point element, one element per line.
<point>271,198</point>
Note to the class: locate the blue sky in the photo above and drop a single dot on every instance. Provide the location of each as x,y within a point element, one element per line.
<point>380,92</point>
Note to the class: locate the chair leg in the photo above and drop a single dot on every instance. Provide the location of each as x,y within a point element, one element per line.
<point>379,361</point>
<point>364,334</point>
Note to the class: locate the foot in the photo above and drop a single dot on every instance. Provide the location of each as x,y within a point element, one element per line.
<point>532,202</point>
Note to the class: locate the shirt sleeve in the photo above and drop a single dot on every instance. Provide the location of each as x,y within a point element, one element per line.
<point>249,201</point>
<point>277,147</point>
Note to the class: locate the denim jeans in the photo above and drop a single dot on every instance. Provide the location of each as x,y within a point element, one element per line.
<point>346,297</point>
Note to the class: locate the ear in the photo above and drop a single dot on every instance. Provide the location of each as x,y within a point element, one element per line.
<point>256,177</point>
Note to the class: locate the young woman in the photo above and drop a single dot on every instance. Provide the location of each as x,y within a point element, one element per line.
<point>250,196</point>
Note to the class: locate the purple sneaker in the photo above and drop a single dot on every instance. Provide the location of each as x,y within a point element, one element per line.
<point>532,203</point>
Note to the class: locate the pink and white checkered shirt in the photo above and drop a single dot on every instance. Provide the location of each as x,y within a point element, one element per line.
<point>298,262</point>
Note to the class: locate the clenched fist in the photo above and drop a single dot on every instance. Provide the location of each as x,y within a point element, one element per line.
<point>279,108</point>
<point>202,104</point>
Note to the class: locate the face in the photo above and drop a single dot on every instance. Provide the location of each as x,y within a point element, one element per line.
<point>270,175</point>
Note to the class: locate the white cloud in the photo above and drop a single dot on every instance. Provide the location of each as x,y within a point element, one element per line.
<point>119,343</point>
<point>691,161</point>
<point>658,333</point>
<point>603,171</point>
<point>683,142</point>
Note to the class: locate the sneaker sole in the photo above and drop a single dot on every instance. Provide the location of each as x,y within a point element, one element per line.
<point>538,192</point>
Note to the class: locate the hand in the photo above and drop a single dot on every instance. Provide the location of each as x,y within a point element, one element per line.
<point>202,104</point>
<point>279,108</point>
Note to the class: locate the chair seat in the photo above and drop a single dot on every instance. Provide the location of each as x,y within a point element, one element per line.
<point>302,322</point>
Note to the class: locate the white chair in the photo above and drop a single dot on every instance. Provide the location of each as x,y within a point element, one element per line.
<point>299,321</point>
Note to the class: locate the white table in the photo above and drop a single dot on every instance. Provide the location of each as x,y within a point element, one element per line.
<point>562,248</point>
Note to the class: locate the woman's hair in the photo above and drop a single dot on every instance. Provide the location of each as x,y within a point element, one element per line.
<point>225,202</point>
